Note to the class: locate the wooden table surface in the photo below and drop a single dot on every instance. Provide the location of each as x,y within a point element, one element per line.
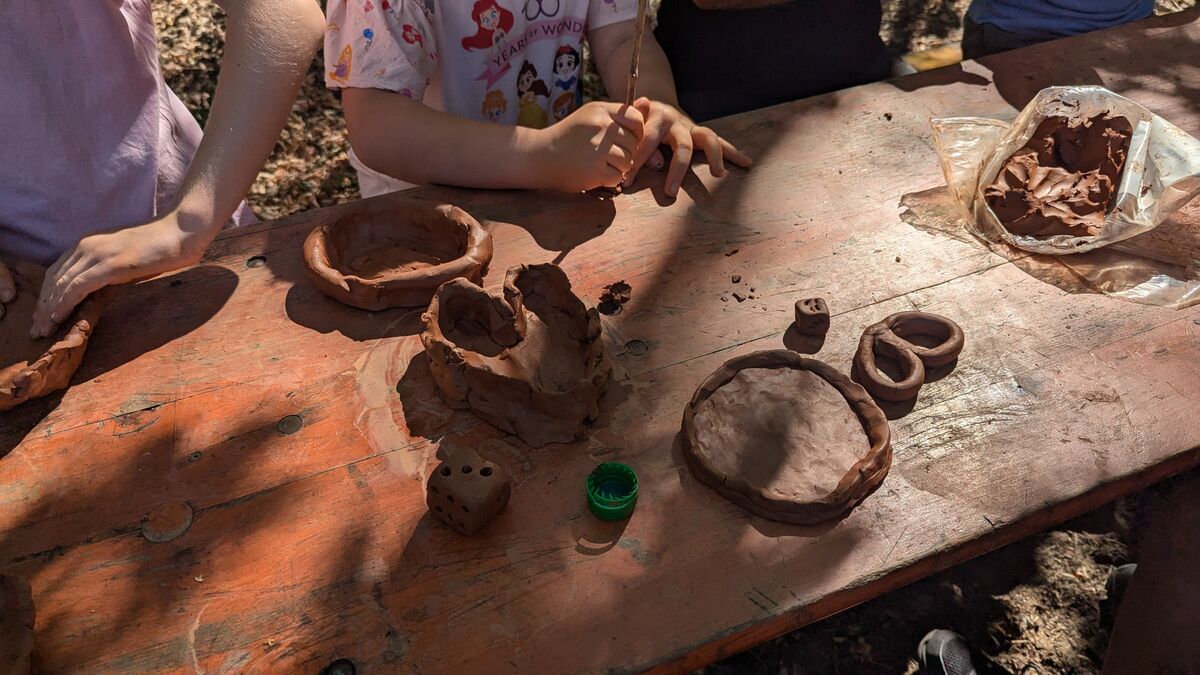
<point>299,430</point>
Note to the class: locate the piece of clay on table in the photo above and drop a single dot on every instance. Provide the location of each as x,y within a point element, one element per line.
<point>786,437</point>
<point>812,317</point>
<point>31,368</point>
<point>16,626</point>
<point>894,337</point>
<point>530,363</point>
<point>396,253</point>
<point>465,492</point>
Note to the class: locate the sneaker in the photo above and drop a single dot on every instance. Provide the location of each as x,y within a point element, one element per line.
<point>1118,581</point>
<point>944,652</point>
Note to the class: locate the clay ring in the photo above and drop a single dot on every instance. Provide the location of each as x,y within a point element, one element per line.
<point>892,338</point>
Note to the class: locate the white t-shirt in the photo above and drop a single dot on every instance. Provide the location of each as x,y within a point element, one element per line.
<point>503,61</point>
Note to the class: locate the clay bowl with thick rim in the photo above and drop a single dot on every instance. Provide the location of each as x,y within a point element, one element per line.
<point>822,502</point>
<point>530,362</point>
<point>396,253</point>
<point>33,368</point>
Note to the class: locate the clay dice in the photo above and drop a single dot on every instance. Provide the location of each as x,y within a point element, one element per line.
<point>812,317</point>
<point>466,491</point>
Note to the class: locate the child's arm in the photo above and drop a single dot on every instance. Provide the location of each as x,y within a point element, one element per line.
<point>612,48</point>
<point>395,135</point>
<point>268,47</point>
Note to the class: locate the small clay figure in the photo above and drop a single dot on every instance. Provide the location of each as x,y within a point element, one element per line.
<point>894,337</point>
<point>16,626</point>
<point>466,491</point>
<point>530,363</point>
<point>812,317</point>
<point>396,253</point>
<point>31,368</point>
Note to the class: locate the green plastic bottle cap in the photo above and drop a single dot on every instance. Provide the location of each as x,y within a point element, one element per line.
<point>612,491</point>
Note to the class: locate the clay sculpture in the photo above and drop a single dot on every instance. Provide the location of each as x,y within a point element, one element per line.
<point>1064,179</point>
<point>465,492</point>
<point>893,337</point>
<point>812,317</point>
<point>16,625</point>
<point>786,437</point>
<point>31,368</point>
<point>396,253</point>
<point>530,363</point>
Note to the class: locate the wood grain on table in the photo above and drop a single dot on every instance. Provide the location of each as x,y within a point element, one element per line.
<point>300,430</point>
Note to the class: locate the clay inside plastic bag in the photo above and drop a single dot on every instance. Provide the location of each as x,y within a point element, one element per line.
<point>1141,253</point>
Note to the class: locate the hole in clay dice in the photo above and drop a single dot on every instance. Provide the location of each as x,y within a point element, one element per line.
<point>439,509</point>
<point>485,471</point>
<point>445,471</point>
<point>466,469</point>
<point>450,498</point>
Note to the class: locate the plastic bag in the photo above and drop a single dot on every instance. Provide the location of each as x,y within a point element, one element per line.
<point>1162,173</point>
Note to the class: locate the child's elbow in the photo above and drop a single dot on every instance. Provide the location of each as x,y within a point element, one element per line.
<point>310,23</point>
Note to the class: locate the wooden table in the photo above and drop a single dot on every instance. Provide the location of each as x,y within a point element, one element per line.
<point>299,430</point>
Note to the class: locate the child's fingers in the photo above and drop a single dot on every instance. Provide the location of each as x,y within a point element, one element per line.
<point>631,119</point>
<point>681,148</point>
<point>8,289</point>
<point>622,138</point>
<point>708,141</point>
<point>612,177</point>
<point>736,156</point>
<point>60,295</point>
<point>620,158</point>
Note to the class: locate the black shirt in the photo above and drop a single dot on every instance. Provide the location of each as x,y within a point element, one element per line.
<point>729,61</point>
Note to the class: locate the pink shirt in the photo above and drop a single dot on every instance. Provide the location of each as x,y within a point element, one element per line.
<point>93,138</point>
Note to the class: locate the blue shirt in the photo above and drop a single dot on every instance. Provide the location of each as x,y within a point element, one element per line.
<point>1056,18</point>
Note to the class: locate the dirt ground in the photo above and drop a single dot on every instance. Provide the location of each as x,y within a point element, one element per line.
<point>1031,607</point>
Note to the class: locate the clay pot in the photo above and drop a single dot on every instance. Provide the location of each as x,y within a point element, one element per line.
<point>396,253</point>
<point>786,437</point>
<point>33,368</point>
<point>530,363</point>
<point>892,337</point>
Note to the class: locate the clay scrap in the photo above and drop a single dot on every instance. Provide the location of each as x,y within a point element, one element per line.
<point>31,368</point>
<point>786,437</point>
<point>1064,179</point>
<point>16,625</point>
<point>915,341</point>
<point>812,317</point>
<point>396,253</point>
<point>614,297</point>
<point>530,363</point>
<point>465,492</point>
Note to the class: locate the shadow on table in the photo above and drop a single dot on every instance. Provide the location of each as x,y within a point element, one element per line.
<point>45,544</point>
<point>137,319</point>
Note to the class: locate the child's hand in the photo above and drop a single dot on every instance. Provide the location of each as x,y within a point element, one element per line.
<point>593,147</point>
<point>667,124</point>
<point>115,257</point>
<point>8,289</point>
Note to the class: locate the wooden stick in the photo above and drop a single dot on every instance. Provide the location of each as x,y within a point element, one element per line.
<point>631,92</point>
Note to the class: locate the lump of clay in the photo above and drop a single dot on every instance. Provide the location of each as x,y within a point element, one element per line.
<point>915,340</point>
<point>812,317</point>
<point>31,368</point>
<point>396,253</point>
<point>530,363</point>
<point>786,437</point>
<point>1064,179</point>
<point>16,625</point>
<point>465,492</point>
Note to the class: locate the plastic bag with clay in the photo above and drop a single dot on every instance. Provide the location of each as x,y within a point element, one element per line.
<point>1161,174</point>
